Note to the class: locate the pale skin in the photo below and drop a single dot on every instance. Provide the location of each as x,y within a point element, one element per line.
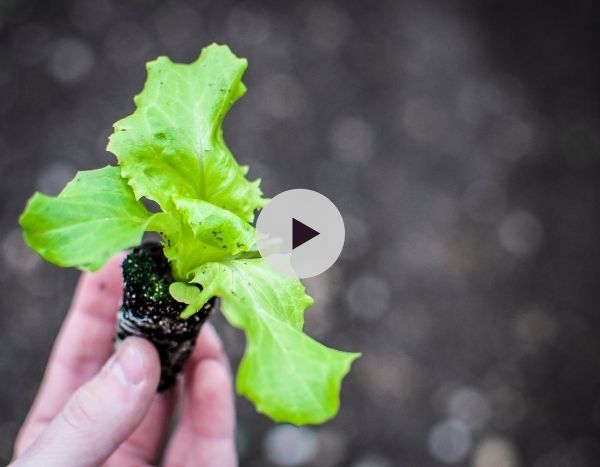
<point>97,407</point>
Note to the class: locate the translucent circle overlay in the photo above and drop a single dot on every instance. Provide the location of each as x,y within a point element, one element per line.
<point>291,214</point>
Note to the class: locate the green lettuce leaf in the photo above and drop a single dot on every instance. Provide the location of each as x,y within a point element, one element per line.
<point>172,145</point>
<point>189,294</point>
<point>206,233</point>
<point>184,293</point>
<point>288,375</point>
<point>95,216</point>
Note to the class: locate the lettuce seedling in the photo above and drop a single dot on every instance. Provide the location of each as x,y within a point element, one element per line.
<point>171,151</point>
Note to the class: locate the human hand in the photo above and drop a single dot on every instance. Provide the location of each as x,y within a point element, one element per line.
<point>90,410</point>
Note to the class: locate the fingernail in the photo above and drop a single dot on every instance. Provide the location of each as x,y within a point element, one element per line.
<point>128,364</point>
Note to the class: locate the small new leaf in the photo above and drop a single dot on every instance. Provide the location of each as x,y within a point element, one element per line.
<point>183,292</point>
<point>188,294</point>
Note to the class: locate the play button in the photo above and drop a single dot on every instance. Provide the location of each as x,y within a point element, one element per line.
<point>300,233</point>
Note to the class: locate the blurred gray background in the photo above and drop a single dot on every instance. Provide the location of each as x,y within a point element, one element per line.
<point>461,141</point>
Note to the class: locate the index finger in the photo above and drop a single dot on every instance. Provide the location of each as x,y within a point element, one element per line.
<point>84,343</point>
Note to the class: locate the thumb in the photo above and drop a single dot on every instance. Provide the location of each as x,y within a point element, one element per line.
<point>102,413</point>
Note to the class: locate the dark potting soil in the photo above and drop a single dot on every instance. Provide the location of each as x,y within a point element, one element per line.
<point>149,311</point>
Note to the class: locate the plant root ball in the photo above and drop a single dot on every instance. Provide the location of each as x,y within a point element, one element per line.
<point>148,311</point>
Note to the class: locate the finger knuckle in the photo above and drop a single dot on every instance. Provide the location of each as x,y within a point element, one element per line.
<point>78,413</point>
